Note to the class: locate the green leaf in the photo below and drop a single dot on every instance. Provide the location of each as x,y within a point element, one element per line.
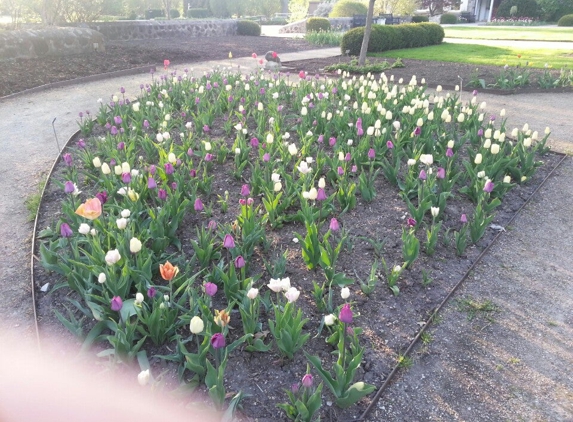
<point>354,393</point>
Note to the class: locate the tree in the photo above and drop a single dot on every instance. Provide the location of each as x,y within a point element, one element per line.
<point>436,7</point>
<point>298,10</point>
<point>81,10</point>
<point>367,32</point>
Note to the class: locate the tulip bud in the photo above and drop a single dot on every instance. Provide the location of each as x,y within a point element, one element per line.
<point>345,314</point>
<point>495,149</point>
<point>307,381</point>
<point>435,211</point>
<point>134,245</point>
<point>478,159</point>
<point>197,325</point>
<point>96,162</point>
<point>487,143</point>
<point>345,293</point>
<point>139,298</point>
<point>101,278</point>
<point>507,179</point>
<point>121,223</point>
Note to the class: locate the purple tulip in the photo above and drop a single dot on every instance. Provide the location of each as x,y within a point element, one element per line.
<point>125,177</point>
<point>117,120</point>
<point>474,92</point>
<point>245,190</point>
<point>169,168</point>
<point>345,314</point>
<point>228,242</point>
<point>162,194</point>
<point>422,175</point>
<point>65,230</point>
<point>81,143</point>
<point>307,381</point>
<point>113,130</point>
<point>210,289</point>
<point>208,157</point>
<point>102,196</point>
<point>121,146</point>
<point>334,226</point>
<point>488,186</point>
<point>480,132</point>
<point>360,131</point>
<point>190,152</point>
<point>218,341</point>
<point>152,169</point>
<point>145,124</point>
<point>67,157</point>
<point>441,174</point>
<point>206,129</point>
<point>173,186</point>
<point>411,222</point>
<point>212,225</point>
<point>294,388</point>
<point>449,153</point>
<point>116,304</point>
<point>332,141</point>
<point>254,142</point>
<point>321,195</point>
<point>239,262</point>
<point>69,187</point>
<point>372,153</point>
<point>347,157</point>
<point>354,168</point>
<point>266,157</point>
<point>151,184</point>
<point>340,171</point>
<point>193,173</point>
<point>151,292</point>
<point>389,145</point>
<point>198,205</point>
<point>320,139</point>
<point>417,131</point>
<point>464,219</point>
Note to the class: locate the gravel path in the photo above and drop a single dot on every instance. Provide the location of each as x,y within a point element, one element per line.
<point>516,367</point>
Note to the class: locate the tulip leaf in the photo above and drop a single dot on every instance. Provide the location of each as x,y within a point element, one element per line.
<point>354,393</point>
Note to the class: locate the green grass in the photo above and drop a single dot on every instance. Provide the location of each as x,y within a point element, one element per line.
<point>32,202</point>
<point>538,33</point>
<point>323,38</point>
<point>474,308</point>
<point>485,55</point>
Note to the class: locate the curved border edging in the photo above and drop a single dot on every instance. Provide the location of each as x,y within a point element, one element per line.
<point>452,291</point>
<point>35,228</point>
<point>76,81</point>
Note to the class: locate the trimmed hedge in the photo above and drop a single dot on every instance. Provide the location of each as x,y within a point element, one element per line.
<point>248,28</point>
<point>348,8</point>
<point>198,13</point>
<point>420,19</point>
<point>448,19</point>
<point>392,37</point>
<point>566,20</point>
<point>317,24</point>
<point>525,9</point>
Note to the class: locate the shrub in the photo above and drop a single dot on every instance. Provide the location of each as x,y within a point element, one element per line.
<point>448,19</point>
<point>392,37</point>
<point>420,19</point>
<point>552,10</point>
<point>525,9</point>
<point>154,13</point>
<point>198,13</point>
<point>317,24</point>
<point>566,20</point>
<point>248,28</point>
<point>348,8</point>
<point>174,13</point>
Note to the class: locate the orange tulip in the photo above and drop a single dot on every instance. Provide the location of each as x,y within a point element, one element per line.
<point>222,318</point>
<point>168,271</point>
<point>91,209</point>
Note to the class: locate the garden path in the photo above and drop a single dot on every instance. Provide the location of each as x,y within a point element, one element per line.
<point>517,365</point>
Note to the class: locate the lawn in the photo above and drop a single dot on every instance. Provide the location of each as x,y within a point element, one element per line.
<point>485,55</point>
<point>537,33</point>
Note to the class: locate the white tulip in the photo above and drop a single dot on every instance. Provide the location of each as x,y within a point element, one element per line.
<point>487,143</point>
<point>329,319</point>
<point>134,245</point>
<point>292,149</point>
<point>101,278</point>
<point>345,293</point>
<point>96,162</point>
<point>435,211</point>
<point>111,257</point>
<point>427,159</point>
<point>275,177</point>
<point>143,377</point>
<point>139,298</point>
<point>507,179</point>
<point>84,228</point>
<point>125,168</point>
<point>478,159</point>
<point>292,294</point>
<point>197,325</point>
<point>495,149</point>
<point>121,223</point>
<point>252,293</point>
<point>125,213</point>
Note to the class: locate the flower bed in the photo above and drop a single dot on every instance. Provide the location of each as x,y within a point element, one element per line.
<point>292,209</point>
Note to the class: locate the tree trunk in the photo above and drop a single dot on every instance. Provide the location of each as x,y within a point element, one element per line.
<point>284,6</point>
<point>367,31</point>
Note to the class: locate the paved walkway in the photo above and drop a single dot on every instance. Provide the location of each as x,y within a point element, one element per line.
<point>533,261</point>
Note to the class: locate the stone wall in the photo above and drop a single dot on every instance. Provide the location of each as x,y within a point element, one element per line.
<point>32,43</point>
<point>299,27</point>
<point>141,30</point>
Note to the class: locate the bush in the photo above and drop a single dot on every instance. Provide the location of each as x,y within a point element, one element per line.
<point>566,20</point>
<point>552,10</point>
<point>525,9</point>
<point>174,13</point>
<point>248,28</point>
<point>348,8</point>
<point>420,19</point>
<point>448,19</point>
<point>198,13</point>
<point>154,13</point>
<point>317,24</point>
<point>392,37</point>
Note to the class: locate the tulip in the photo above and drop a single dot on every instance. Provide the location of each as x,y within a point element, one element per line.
<point>307,381</point>
<point>449,153</point>
<point>68,159</point>
<point>197,325</point>
<point>139,298</point>
<point>329,320</point>
<point>125,177</point>
<point>478,159</point>
<point>389,145</point>
<point>91,209</point>
<point>252,293</point>
<point>134,245</point>
<point>218,341</point>
<point>168,271</point>
<point>132,195</point>
<point>441,174</point>
<point>143,377</point>
<point>276,285</point>
<point>210,289</point>
<point>222,318</point>
<point>121,223</point>
<point>411,162</point>
<point>345,293</point>
<point>84,228</point>
<point>101,278</point>
<point>507,179</point>
<point>340,171</point>
<point>345,314</point>
<point>162,194</point>
<point>427,159</point>
<point>277,187</point>
<point>116,304</point>
<point>111,257</point>
<point>487,143</point>
<point>69,187</point>
<point>495,149</point>
<point>411,222</point>
<point>239,262</point>
<point>151,292</point>
<point>464,219</point>
<point>198,206</point>
<point>292,294</point>
<point>334,226</point>
<point>151,184</point>
<point>228,242</point>
<point>422,175</point>
<point>105,168</point>
<point>65,230</point>
<point>488,186</point>
<point>435,211</point>
<point>212,225</point>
